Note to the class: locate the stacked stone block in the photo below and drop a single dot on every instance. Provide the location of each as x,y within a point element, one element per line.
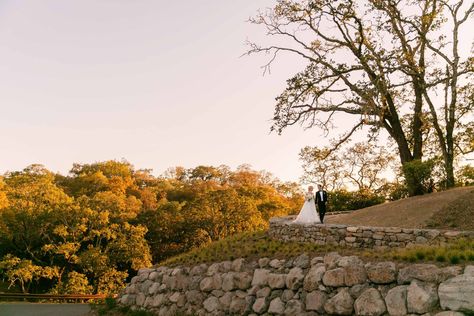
<point>329,285</point>
<point>360,236</point>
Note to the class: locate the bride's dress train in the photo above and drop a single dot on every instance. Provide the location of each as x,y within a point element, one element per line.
<point>308,214</point>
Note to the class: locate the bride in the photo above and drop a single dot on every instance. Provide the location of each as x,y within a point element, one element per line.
<point>308,214</point>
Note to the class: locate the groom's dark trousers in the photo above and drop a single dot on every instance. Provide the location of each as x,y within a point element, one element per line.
<point>321,202</point>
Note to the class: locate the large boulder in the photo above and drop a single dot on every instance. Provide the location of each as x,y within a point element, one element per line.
<point>145,286</point>
<point>148,302</point>
<point>294,307</point>
<point>276,281</point>
<point>182,281</point>
<point>143,274</point>
<point>140,300</point>
<point>276,306</point>
<point>155,276</point>
<point>199,269</point>
<point>302,261</point>
<point>158,300</point>
<point>277,264</point>
<point>356,290</point>
<point>226,299</point>
<point>264,292</point>
<point>315,301</point>
<point>331,259</point>
<point>211,304</point>
<point>211,283</point>
<point>317,260</point>
<point>382,272</point>
<point>340,304</point>
<point>421,297</point>
<point>420,272</point>
<point>449,272</point>
<point>194,296</point>
<point>287,295</point>
<point>458,293</point>
<point>396,301</point>
<point>128,299</point>
<point>214,268</point>
<point>169,281</point>
<point>132,288</point>
<point>228,281</point>
<point>240,305</point>
<point>349,261</point>
<point>370,303</point>
<point>260,305</point>
<point>334,278</point>
<point>175,297</point>
<point>243,280</point>
<point>263,262</point>
<point>294,279</point>
<point>260,277</point>
<point>314,277</point>
<point>355,274</point>
<point>165,311</point>
<point>154,288</point>
<point>238,264</point>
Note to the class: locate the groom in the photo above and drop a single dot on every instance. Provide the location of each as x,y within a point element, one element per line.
<point>321,200</point>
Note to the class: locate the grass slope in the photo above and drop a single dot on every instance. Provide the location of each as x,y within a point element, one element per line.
<point>414,212</point>
<point>451,209</point>
<point>458,215</point>
<point>258,245</point>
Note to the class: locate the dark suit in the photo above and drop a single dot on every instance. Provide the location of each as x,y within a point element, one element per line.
<point>321,202</point>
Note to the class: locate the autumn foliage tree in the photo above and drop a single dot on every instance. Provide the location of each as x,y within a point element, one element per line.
<point>90,230</point>
<point>373,63</point>
<point>207,203</point>
<point>48,234</point>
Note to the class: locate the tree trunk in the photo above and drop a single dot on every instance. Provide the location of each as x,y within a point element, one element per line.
<point>414,185</point>
<point>450,182</point>
<point>417,122</point>
<point>448,164</point>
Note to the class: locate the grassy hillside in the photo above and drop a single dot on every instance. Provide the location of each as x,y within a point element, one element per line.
<point>417,212</point>
<point>458,214</point>
<point>258,245</point>
<point>452,209</point>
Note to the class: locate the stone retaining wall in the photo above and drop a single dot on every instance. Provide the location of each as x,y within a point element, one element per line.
<point>329,285</point>
<point>282,228</point>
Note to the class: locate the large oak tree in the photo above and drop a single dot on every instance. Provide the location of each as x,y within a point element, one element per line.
<point>374,62</point>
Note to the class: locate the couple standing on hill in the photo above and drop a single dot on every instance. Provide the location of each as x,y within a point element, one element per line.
<point>308,213</point>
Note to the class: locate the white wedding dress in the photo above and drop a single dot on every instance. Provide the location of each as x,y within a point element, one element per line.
<point>308,214</point>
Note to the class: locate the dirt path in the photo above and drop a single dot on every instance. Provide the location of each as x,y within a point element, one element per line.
<point>40,309</point>
<point>411,212</point>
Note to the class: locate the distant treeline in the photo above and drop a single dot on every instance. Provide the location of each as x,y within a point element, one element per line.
<point>88,231</point>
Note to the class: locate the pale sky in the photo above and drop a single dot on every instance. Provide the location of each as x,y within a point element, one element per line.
<point>158,83</point>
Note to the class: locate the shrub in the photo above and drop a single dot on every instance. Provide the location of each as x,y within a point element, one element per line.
<point>454,258</point>
<point>418,176</point>
<point>465,175</point>
<point>76,283</point>
<point>342,200</point>
<point>396,191</point>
